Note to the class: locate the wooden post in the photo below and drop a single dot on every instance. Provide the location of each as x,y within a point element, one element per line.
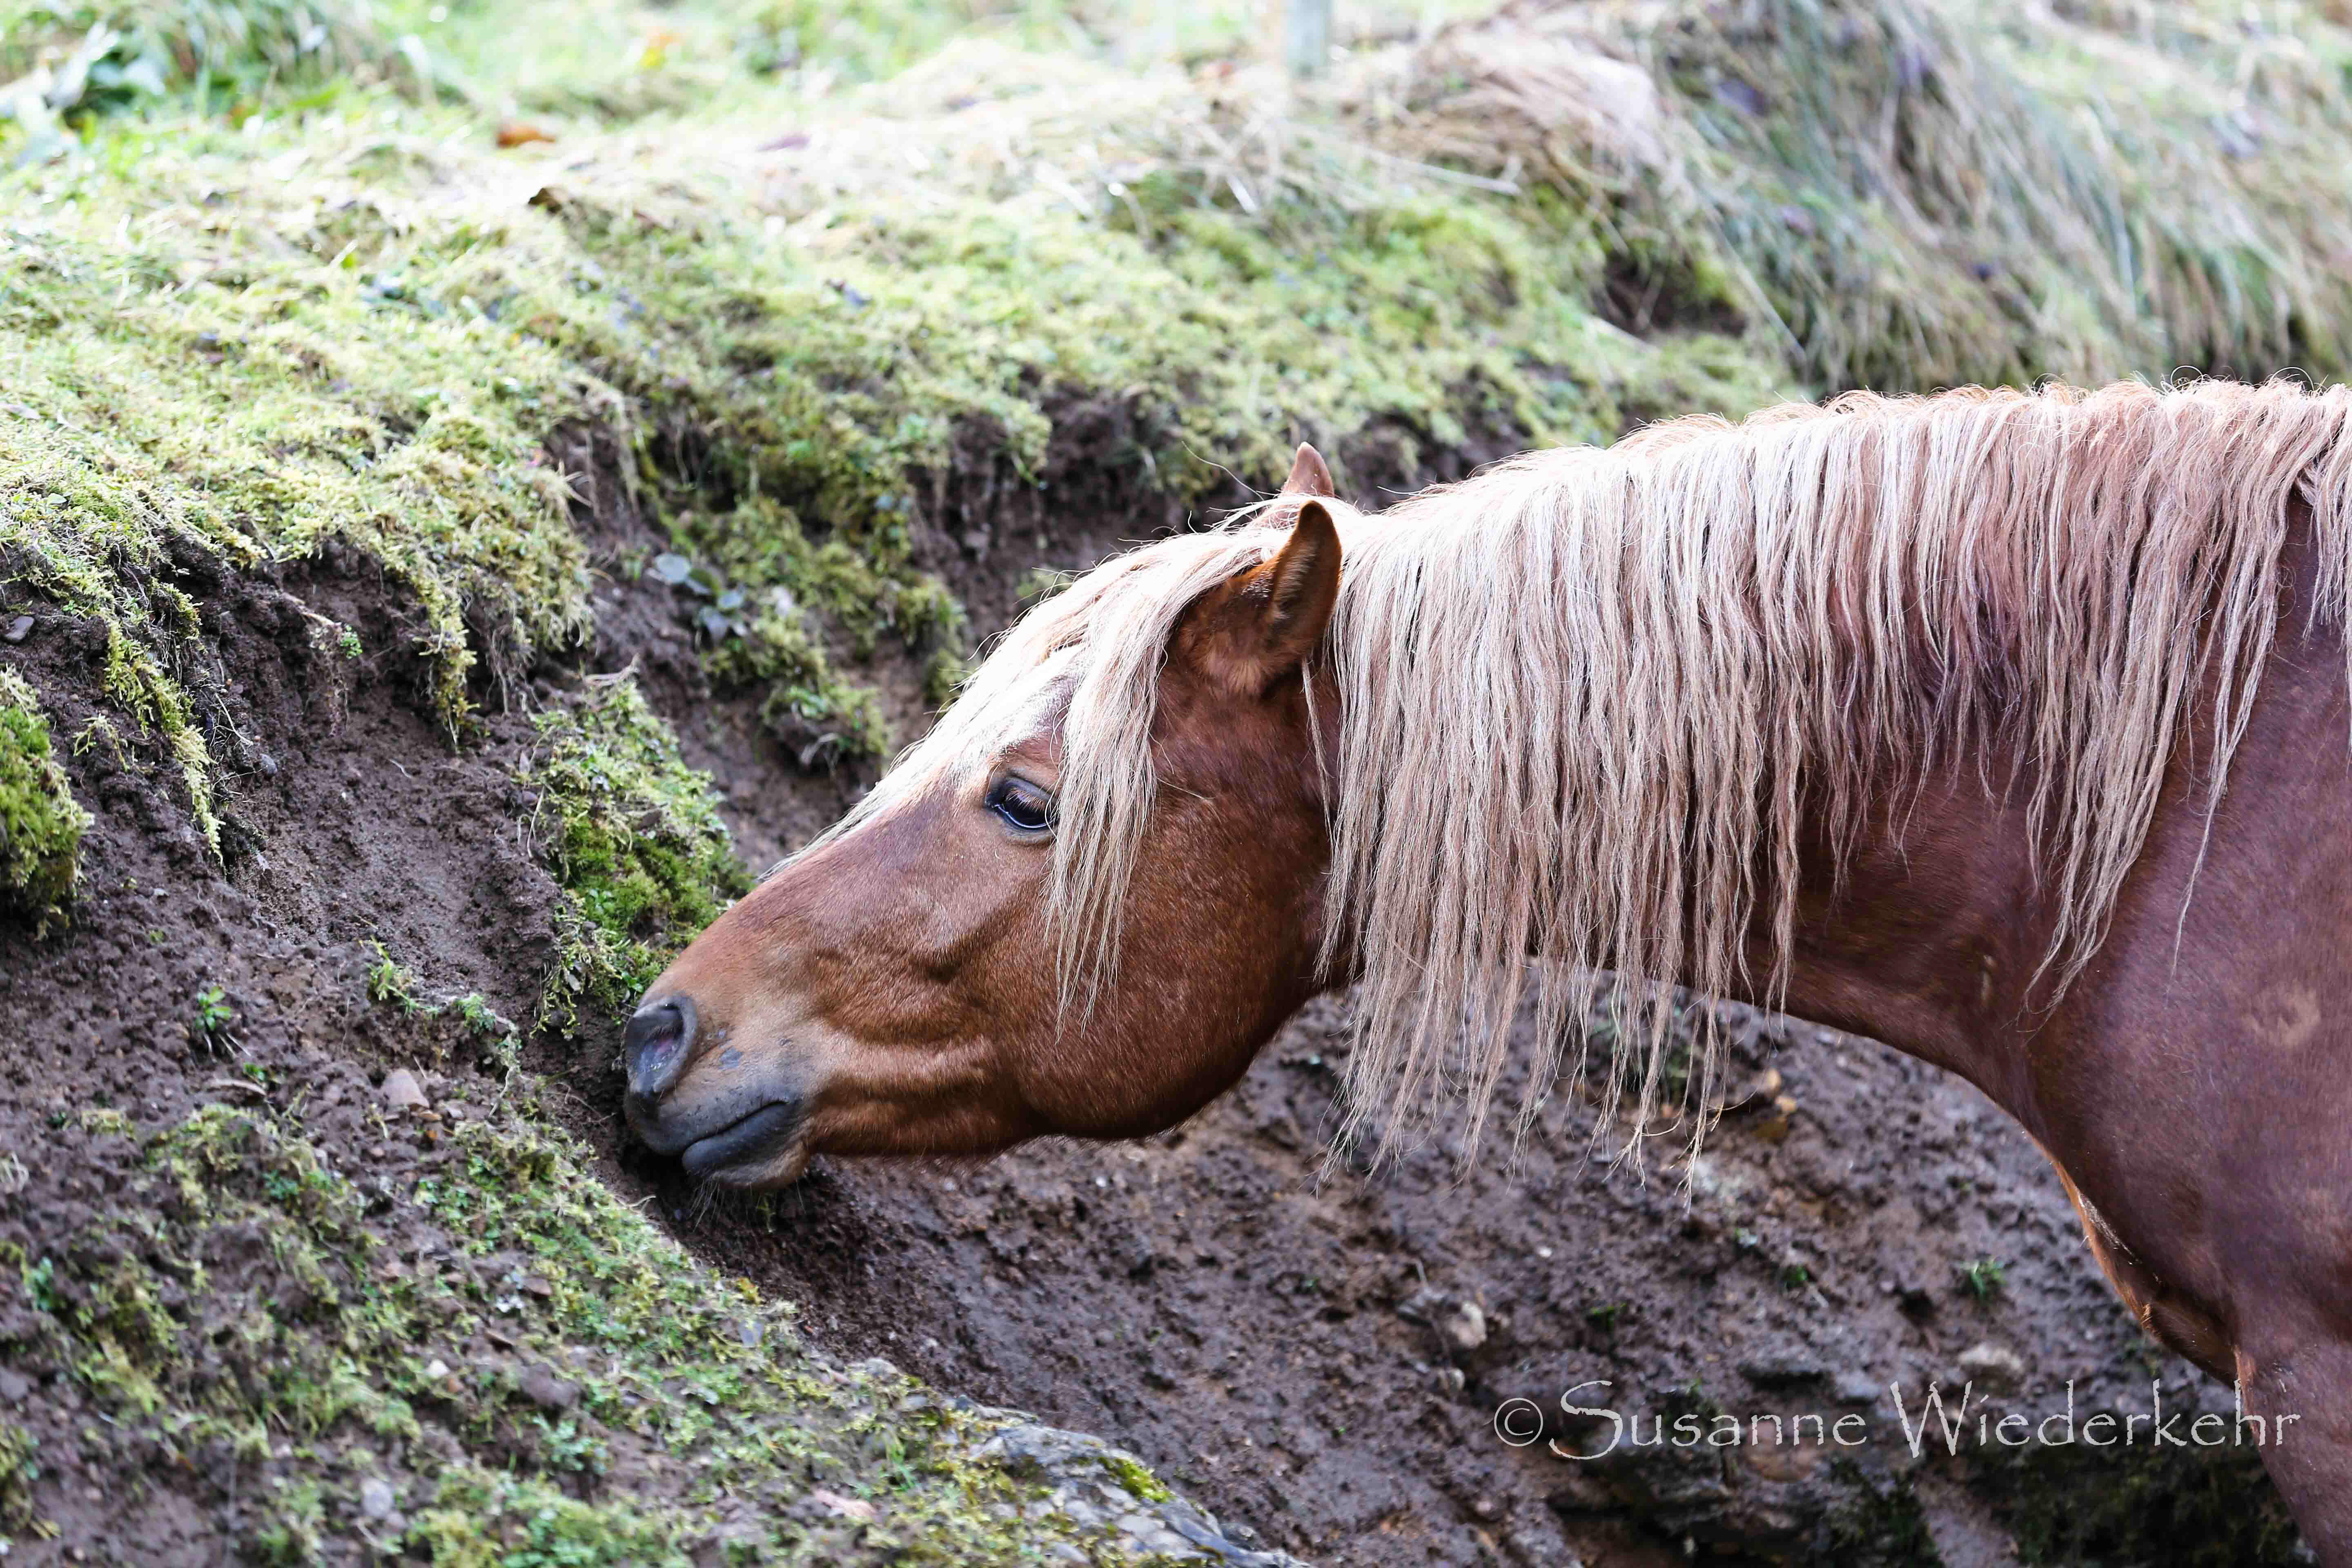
<point>1306,38</point>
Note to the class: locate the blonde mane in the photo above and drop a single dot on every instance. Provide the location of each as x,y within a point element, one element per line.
<point>1587,696</point>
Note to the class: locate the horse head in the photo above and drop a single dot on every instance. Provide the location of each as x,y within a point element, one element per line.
<point>933,977</point>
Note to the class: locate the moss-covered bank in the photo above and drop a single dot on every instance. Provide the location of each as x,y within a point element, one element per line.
<point>356,326</point>
<point>471,1353</point>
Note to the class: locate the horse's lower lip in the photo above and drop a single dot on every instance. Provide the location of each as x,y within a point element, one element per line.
<point>759,1136</point>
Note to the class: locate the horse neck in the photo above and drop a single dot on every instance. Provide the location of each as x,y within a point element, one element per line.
<point>1929,933</point>
<point>1937,938</point>
<point>1920,922</point>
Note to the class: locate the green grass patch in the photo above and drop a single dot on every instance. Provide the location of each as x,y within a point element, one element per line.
<point>1982,1277</point>
<point>72,62</point>
<point>118,1294</point>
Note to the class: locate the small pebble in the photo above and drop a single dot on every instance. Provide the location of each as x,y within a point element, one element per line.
<point>552,1394</point>
<point>402,1092</point>
<point>841,1507</point>
<point>1992,1364</point>
<point>19,630</point>
<point>375,1498</point>
<point>1465,1326</point>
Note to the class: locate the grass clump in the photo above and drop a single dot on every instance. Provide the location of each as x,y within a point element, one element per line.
<point>391,983</point>
<point>1982,1277</point>
<point>497,1039</point>
<point>211,1022</point>
<point>482,1519</point>
<point>40,824</point>
<point>633,838</point>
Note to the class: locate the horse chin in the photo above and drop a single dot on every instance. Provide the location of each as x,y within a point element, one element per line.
<point>762,1177</point>
<point>769,1148</point>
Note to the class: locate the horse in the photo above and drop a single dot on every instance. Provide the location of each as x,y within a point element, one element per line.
<point>2013,729</point>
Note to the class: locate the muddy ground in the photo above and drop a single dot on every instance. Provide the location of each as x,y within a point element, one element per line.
<point>1318,1355</point>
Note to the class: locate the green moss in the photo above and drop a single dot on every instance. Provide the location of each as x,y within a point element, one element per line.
<point>479,1519</point>
<point>18,1470</point>
<point>635,841</point>
<point>761,546</point>
<point>40,825</point>
<point>707,1369</point>
<point>295,1535</point>
<point>263,414</point>
<point>944,675</point>
<point>118,1294</point>
<point>2199,1508</point>
<point>1136,1478</point>
<point>758,633</point>
<point>823,727</point>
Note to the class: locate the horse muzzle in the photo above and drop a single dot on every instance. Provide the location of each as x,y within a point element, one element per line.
<point>726,1117</point>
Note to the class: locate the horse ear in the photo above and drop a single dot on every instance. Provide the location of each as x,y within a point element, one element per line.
<point>1309,475</point>
<point>1261,625</point>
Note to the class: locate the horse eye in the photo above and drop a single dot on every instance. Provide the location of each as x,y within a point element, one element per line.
<point>1021,805</point>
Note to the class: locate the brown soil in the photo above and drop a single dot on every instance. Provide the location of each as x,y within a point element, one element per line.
<point>1318,1355</point>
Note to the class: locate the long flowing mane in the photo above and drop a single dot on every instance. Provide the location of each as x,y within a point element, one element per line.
<point>1590,698</point>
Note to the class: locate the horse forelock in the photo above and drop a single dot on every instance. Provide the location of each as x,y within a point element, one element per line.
<point>1613,687</point>
<point>1080,672</point>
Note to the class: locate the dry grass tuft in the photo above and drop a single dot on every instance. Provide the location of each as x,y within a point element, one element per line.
<point>1918,193</point>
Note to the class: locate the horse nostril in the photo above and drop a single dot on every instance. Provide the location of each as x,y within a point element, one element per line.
<point>656,1043</point>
